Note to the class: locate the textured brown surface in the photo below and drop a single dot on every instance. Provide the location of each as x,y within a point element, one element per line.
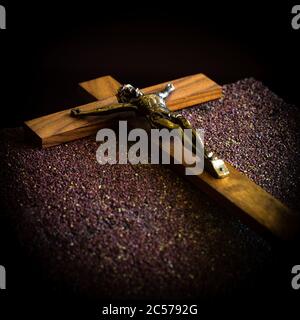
<point>141,231</point>
<point>263,211</point>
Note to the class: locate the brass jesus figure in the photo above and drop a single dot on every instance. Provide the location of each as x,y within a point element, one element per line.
<point>153,107</point>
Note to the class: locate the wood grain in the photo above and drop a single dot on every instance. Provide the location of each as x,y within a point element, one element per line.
<point>101,88</point>
<point>60,127</point>
<point>189,91</point>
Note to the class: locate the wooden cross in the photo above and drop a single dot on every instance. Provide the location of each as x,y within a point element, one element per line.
<point>237,192</point>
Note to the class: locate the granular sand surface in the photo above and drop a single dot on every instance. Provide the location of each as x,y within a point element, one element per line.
<point>140,231</point>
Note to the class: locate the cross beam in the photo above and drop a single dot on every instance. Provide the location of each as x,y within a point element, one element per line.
<point>237,192</point>
<point>59,127</point>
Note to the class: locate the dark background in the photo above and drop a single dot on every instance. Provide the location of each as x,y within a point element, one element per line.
<point>49,47</point>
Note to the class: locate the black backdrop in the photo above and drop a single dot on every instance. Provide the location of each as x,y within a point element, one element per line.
<point>49,47</point>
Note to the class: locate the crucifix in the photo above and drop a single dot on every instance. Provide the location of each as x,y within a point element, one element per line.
<point>236,191</point>
<point>154,109</point>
